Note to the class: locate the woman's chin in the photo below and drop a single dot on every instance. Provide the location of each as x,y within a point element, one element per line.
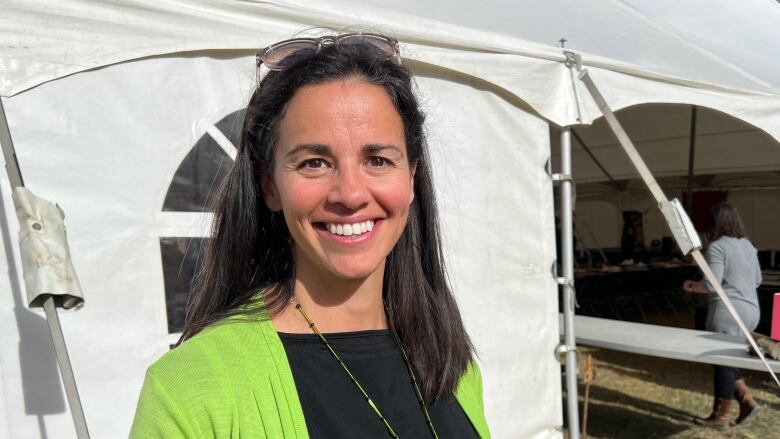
<point>355,272</point>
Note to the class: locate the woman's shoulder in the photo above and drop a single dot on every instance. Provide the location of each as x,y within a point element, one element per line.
<point>469,395</point>
<point>221,349</point>
<point>726,242</point>
<point>470,383</point>
<point>207,383</point>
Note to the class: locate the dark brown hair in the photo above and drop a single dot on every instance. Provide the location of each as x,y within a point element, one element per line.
<point>249,249</point>
<point>725,221</point>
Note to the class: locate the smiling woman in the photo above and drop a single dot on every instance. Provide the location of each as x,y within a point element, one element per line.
<point>322,309</point>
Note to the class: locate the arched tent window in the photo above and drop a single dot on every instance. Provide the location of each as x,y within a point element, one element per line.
<point>197,177</point>
<point>730,156</point>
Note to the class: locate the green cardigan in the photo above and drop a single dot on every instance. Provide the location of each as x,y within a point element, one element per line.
<point>233,380</point>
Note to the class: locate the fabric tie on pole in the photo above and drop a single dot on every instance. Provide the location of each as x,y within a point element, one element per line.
<point>48,270</point>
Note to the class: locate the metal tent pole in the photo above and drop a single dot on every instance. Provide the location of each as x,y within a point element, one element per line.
<point>49,306</point>
<point>691,156</point>
<point>567,283</point>
<point>11,165</point>
<point>68,379</point>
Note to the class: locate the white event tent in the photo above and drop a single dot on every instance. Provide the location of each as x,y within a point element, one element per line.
<point>113,108</point>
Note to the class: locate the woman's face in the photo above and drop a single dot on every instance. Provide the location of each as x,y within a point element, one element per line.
<point>341,177</point>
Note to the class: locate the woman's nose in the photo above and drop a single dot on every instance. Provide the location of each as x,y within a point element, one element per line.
<point>349,188</point>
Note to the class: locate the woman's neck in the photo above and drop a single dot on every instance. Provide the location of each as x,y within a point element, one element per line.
<point>333,304</point>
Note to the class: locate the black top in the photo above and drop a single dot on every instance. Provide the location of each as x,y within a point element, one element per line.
<point>334,408</point>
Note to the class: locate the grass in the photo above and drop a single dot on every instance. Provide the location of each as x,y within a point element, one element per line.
<point>635,396</point>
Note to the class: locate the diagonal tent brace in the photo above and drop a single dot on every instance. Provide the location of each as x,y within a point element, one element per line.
<point>49,277</point>
<point>689,243</point>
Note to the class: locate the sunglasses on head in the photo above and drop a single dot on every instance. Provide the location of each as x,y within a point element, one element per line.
<point>285,53</point>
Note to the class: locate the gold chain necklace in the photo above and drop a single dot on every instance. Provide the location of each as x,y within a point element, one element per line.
<point>360,388</point>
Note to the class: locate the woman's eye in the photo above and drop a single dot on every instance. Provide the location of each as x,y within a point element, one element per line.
<point>314,164</point>
<point>378,162</point>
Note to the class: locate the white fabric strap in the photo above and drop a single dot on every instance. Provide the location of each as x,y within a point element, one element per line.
<point>43,244</point>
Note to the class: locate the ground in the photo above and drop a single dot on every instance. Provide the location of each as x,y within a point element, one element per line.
<point>636,396</point>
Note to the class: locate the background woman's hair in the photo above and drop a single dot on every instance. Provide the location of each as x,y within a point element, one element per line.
<point>725,221</point>
<point>250,246</point>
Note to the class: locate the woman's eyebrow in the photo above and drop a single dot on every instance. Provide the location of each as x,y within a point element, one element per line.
<point>373,148</point>
<point>311,148</point>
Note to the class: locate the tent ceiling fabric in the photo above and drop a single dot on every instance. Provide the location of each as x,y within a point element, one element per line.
<point>661,132</point>
<point>45,39</point>
<point>729,44</point>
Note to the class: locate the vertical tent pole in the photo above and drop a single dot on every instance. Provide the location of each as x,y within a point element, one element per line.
<point>11,165</point>
<point>49,306</point>
<point>567,260</point>
<point>691,153</point>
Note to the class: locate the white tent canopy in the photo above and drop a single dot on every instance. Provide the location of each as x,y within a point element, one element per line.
<point>719,42</point>
<point>105,103</point>
<point>80,35</point>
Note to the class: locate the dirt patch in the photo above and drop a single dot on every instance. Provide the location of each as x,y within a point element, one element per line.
<point>637,396</point>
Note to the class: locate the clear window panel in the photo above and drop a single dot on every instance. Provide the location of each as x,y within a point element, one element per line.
<point>230,126</point>
<point>198,177</point>
<point>194,183</point>
<point>180,257</point>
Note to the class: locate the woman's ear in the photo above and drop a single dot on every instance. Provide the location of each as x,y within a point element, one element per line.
<point>270,194</point>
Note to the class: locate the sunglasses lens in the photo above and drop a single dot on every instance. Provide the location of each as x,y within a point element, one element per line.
<point>286,54</point>
<point>376,44</point>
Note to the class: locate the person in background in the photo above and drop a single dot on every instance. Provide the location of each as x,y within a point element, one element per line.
<point>734,261</point>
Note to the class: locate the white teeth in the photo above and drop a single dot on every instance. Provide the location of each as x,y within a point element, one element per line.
<point>350,229</point>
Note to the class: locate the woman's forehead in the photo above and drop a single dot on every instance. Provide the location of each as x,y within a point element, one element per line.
<point>341,112</point>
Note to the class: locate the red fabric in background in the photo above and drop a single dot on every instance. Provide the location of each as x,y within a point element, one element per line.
<point>776,318</point>
<point>702,202</point>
